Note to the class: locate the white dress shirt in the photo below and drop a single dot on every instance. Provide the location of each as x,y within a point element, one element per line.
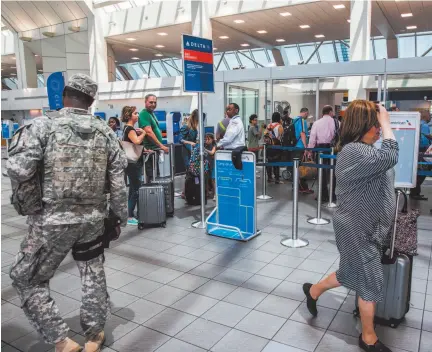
<point>235,134</point>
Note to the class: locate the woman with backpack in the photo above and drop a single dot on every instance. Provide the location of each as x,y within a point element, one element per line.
<point>273,137</point>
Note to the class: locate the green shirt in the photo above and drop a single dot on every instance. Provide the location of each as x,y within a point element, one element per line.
<point>147,118</point>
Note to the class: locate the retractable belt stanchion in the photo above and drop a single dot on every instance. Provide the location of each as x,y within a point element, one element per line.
<point>318,220</point>
<point>331,204</point>
<point>294,241</point>
<point>264,196</point>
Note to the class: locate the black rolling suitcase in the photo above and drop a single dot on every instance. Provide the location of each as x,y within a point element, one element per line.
<point>193,190</point>
<point>151,203</point>
<point>397,283</point>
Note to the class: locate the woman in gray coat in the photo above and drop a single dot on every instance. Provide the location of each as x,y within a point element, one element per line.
<point>362,223</point>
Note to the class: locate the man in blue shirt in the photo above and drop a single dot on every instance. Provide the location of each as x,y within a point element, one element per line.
<point>425,141</point>
<point>301,131</point>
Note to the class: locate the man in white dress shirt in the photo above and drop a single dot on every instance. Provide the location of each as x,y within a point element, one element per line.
<point>235,133</point>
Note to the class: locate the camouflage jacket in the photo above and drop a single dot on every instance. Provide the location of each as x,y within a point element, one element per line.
<point>75,181</point>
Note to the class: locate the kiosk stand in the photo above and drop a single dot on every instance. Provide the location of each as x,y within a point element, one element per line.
<point>235,213</point>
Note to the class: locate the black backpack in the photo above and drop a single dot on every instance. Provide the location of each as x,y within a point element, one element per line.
<point>289,136</point>
<point>336,136</point>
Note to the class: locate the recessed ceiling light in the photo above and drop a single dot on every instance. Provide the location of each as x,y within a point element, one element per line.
<point>406,14</point>
<point>223,37</point>
<point>40,70</point>
<point>280,40</point>
<point>13,66</point>
<point>160,46</point>
<point>245,44</point>
<point>13,58</point>
<point>133,49</point>
<point>214,49</point>
<point>262,31</point>
<point>162,33</point>
<point>285,14</point>
<point>349,21</point>
<point>131,39</point>
<point>36,55</point>
<point>411,27</point>
<point>339,6</point>
<point>303,26</point>
<point>158,55</point>
<point>238,21</point>
<point>135,58</point>
<point>320,36</point>
<point>115,61</point>
<point>13,74</point>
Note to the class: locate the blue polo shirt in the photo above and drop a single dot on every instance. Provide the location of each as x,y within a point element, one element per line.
<point>298,130</point>
<point>424,131</point>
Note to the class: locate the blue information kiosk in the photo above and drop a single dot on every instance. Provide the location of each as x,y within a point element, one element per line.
<point>235,213</point>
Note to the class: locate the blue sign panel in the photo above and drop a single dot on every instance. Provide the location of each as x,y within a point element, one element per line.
<point>235,214</point>
<point>7,129</point>
<point>100,114</point>
<point>198,69</point>
<point>55,86</point>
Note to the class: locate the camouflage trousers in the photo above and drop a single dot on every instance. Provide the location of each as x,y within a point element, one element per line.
<point>41,253</point>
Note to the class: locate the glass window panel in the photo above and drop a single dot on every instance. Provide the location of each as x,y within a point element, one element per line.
<point>40,80</point>
<point>307,51</point>
<point>326,53</point>
<point>222,66</point>
<point>380,49</point>
<point>406,46</point>
<point>261,57</point>
<point>246,62</point>
<point>272,60</point>
<point>138,70</point>
<point>179,64</point>
<point>292,55</point>
<point>158,67</point>
<point>343,52</point>
<point>424,42</point>
<point>171,71</point>
<point>231,60</point>
<point>131,71</point>
<point>146,66</point>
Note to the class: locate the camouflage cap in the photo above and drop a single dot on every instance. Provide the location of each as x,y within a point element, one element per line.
<point>84,84</point>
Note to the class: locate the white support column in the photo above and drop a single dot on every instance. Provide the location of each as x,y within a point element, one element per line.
<point>25,64</point>
<point>360,29</point>
<point>111,64</point>
<point>97,48</point>
<point>201,24</point>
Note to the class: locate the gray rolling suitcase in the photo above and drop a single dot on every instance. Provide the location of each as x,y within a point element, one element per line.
<point>167,181</point>
<point>151,204</point>
<point>397,284</point>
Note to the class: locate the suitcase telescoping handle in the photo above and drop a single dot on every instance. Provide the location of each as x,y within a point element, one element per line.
<point>146,156</point>
<point>170,155</point>
<point>404,210</point>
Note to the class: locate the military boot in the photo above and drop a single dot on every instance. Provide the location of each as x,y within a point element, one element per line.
<point>67,345</point>
<point>95,345</point>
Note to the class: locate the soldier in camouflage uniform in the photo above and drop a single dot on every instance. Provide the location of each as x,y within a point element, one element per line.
<point>79,160</point>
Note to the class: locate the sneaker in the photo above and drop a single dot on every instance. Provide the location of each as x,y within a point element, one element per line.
<point>270,180</point>
<point>67,345</point>
<point>310,302</point>
<point>95,345</point>
<point>214,198</point>
<point>376,347</point>
<point>279,182</point>
<point>132,221</point>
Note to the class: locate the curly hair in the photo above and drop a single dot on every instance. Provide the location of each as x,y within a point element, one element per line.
<point>127,112</point>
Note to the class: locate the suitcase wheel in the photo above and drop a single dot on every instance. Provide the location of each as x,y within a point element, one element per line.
<point>163,224</point>
<point>140,226</point>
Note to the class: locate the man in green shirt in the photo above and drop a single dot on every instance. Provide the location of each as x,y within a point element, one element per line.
<point>148,122</point>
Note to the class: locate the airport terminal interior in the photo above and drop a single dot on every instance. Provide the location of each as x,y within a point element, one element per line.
<point>179,288</point>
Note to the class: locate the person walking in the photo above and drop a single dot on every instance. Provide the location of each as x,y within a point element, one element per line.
<point>134,169</point>
<point>363,220</point>
<point>65,165</point>
<point>235,133</point>
<point>322,134</point>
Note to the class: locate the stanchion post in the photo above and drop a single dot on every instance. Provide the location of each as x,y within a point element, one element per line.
<point>294,241</point>
<point>318,220</point>
<point>201,224</point>
<point>264,196</point>
<point>331,204</point>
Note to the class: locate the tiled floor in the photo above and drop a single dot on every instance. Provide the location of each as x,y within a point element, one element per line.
<point>177,289</point>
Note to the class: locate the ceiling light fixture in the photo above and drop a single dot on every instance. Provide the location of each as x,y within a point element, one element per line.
<point>238,21</point>
<point>158,55</point>
<point>349,21</point>
<point>339,6</point>
<point>36,55</point>
<point>162,34</point>
<point>262,31</point>
<point>13,66</point>
<point>159,46</point>
<point>406,14</point>
<point>304,26</point>
<point>13,74</point>
<point>40,70</point>
<point>320,36</point>
<point>133,49</point>
<point>245,44</point>
<point>214,49</point>
<point>74,28</point>
<point>135,58</point>
<point>285,14</point>
<point>223,37</point>
<point>48,34</point>
<point>280,40</point>
<point>411,27</point>
<point>131,39</point>
<point>13,58</point>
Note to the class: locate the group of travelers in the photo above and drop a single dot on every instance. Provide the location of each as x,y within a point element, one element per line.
<point>67,170</point>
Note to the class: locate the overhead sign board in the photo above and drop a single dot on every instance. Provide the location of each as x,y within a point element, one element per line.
<point>198,69</point>
<point>406,128</point>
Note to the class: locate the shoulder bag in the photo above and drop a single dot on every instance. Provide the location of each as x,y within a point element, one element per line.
<point>133,151</point>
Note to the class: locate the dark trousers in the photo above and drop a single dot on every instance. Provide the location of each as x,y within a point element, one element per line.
<point>149,166</point>
<point>416,191</point>
<point>133,172</point>
<point>273,156</point>
<point>326,175</point>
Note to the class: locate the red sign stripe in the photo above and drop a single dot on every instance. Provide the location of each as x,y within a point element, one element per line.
<point>198,56</point>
